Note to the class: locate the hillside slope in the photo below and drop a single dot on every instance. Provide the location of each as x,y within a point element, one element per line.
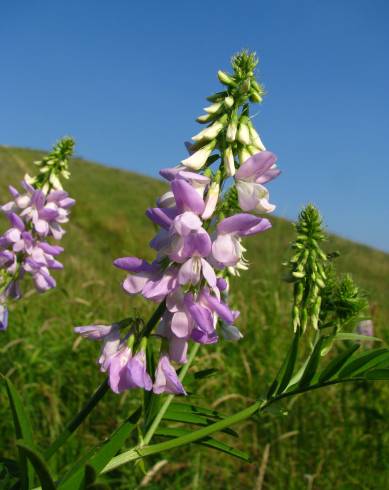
<point>57,372</point>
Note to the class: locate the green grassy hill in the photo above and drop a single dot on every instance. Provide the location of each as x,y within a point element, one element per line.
<point>334,439</point>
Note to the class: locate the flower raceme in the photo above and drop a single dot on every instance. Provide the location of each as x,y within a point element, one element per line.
<point>35,216</point>
<point>198,246</point>
<point>190,273</point>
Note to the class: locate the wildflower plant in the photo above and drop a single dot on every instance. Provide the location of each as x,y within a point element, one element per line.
<point>216,200</point>
<point>36,216</point>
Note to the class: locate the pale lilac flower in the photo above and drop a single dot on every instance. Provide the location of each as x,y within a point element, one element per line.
<point>117,370</point>
<point>227,249</point>
<point>197,181</point>
<point>166,379</point>
<point>255,171</point>
<point>365,327</point>
<point>109,335</point>
<point>141,271</point>
<point>198,159</point>
<point>137,376</point>
<point>178,345</point>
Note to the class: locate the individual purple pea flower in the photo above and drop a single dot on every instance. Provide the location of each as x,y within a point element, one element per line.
<point>365,327</point>
<point>137,375</point>
<point>141,273</point>
<point>227,249</point>
<point>188,238</point>
<point>187,197</point>
<point>230,332</point>
<point>166,379</point>
<point>117,370</point>
<point>109,335</point>
<point>178,344</point>
<point>255,171</point>
<point>156,289</point>
<point>197,181</point>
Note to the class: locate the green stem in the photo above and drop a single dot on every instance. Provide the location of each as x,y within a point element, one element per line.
<point>137,453</point>
<point>169,399</point>
<point>100,392</point>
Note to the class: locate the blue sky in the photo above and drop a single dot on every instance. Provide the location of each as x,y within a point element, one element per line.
<point>127,80</point>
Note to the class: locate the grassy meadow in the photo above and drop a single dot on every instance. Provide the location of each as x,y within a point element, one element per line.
<point>336,438</point>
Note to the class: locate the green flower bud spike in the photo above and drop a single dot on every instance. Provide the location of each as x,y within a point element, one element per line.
<point>307,269</point>
<point>54,166</point>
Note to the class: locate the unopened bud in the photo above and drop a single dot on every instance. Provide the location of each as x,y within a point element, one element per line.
<point>243,154</point>
<point>230,332</point>
<point>229,162</point>
<point>243,135</point>
<point>255,139</point>
<point>231,131</point>
<point>298,274</point>
<point>211,200</point>
<point>217,96</point>
<point>209,133</point>
<point>229,102</point>
<point>296,318</point>
<point>214,108</point>
<point>225,78</point>
<point>198,159</point>
<point>255,97</point>
<point>204,118</point>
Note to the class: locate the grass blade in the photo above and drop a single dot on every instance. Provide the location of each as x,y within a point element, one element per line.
<point>23,430</point>
<point>102,455</point>
<point>40,467</point>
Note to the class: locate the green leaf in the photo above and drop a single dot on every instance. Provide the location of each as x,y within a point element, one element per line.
<point>356,337</point>
<point>377,374</point>
<point>204,373</point>
<point>189,437</point>
<point>40,467</point>
<point>190,408</point>
<point>22,430</point>
<point>334,366</point>
<point>287,369</point>
<point>195,419</point>
<point>207,441</point>
<point>75,479</point>
<point>363,362</point>
<point>312,364</point>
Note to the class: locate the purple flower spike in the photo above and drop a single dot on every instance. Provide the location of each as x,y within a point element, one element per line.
<point>166,379</point>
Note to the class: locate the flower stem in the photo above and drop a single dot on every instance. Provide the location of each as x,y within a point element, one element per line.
<point>169,399</point>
